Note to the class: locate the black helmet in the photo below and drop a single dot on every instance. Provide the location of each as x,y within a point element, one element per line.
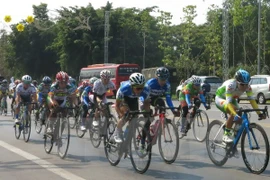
<point>162,73</point>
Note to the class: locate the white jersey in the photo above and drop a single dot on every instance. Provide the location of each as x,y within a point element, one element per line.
<point>99,88</point>
<point>25,92</point>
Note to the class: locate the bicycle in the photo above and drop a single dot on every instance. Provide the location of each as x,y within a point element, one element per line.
<point>87,122</point>
<point>97,133</point>
<point>158,130</point>
<point>224,115</point>
<point>197,118</point>
<point>3,105</point>
<point>57,135</point>
<point>246,130</point>
<point>25,124</point>
<point>41,116</point>
<point>117,150</point>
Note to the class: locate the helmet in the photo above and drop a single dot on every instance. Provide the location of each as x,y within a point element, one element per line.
<point>17,81</point>
<point>26,79</point>
<point>85,83</point>
<point>4,81</point>
<point>242,76</point>
<point>105,74</point>
<point>92,80</point>
<point>34,82</point>
<point>195,80</point>
<point>162,73</point>
<point>137,79</point>
<point>61,76</point>
<point>47,80</point>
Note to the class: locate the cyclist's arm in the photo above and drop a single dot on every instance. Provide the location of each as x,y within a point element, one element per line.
<point>186,91</point>
<point>168,97</point>
<point>119,100</point>
<point>252,100</point>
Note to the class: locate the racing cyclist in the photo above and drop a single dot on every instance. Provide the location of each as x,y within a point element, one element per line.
<point>226,100</point>
<point>127,99</point>
<point>4,92</point>
<point>58,94</point>
<point>190,91</point>
<point>25,92</point>
<point>101,86</point>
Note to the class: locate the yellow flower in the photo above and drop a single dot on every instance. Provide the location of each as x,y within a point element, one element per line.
<point>7,18</point>
<point>20,27</point>
<point>30,19</point>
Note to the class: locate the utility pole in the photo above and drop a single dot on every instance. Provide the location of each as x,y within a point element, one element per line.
<point>106,35</point>
<point>259,38</point>
<point>144,49</point>
<point>225,40</point>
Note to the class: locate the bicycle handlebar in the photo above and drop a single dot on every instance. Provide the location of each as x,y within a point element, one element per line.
<point>264,111</point>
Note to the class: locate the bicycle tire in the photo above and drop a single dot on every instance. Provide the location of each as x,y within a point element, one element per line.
<point>111,146</point>
<point>264,135</point>
<point>148,148</point>
<point>38,125</point>
<point>26,127</point>
<point>64,122</point>
<point>199,123</point>
<point>48,138</point>
<point>209,145</point>
<point>17,130</point>
<point>175,131</point>
<point>79,132</point>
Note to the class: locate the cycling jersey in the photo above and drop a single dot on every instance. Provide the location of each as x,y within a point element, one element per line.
<point>229,91</point>
<point>126,91</point>
<point>61,94</point>
<point>43,91</point>
<point>85,94</point>
<point>189,92</point>
<point>25,93</point>
<point>100,89</point>
<point>80,89</point>
<point>4,89</point>
<point>157,91</point>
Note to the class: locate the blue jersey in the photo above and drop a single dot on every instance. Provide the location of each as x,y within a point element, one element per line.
<point>85,94</point>
<point>125,90</point>
<point>157,91</point>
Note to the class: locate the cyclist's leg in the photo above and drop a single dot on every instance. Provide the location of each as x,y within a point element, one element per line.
<point>5,103</point>
<point>97,100</point>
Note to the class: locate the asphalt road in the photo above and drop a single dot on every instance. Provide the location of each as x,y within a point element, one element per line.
<point>27,161</point>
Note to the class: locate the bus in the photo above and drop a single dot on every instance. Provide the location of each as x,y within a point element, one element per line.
<point>150,73</point>
<point>120,72</point>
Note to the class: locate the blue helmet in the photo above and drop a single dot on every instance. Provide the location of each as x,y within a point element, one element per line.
<point>242,76</point>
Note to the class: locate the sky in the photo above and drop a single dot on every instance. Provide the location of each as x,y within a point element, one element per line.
<point>19,10</point>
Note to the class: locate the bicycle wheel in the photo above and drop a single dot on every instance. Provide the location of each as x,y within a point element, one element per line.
<point>17,130</point>
<point>138,151</point>
<point>79,132</point>
<point>72,118</point>
<point>94,133</point>
<point>253,147</point>
<point>63,137</point>
<point>48,140</point>
<point>214,143</point>
<point>200,125</point>
<point>168,137</point>
<point>38,124</point>
<point>26,127</point>
<point>111,148</point>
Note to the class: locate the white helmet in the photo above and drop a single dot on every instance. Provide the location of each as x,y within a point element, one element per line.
<point>196,80</point>
<point>137,79</point>
<point>26,79</point>
<point>92,80</point>
<point>105,74</point>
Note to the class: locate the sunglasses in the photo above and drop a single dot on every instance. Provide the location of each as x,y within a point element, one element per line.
<point>138,88</point>
<point>242,84</point>
<point>197,85</point>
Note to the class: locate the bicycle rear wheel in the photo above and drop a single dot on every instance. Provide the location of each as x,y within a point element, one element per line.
<point>17,130</point>
<point>26,127</point>
<point>111,148</point>
<point>63,137</point>
<point>253,147</point>
<point>214,143</point>
<point>140,152</point>
<point>38,124</point>
<point>200,125</point>
<point>79,132</point>
<point>168,137</point>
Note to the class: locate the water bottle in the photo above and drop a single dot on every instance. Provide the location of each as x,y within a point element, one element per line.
<point>126,132</point>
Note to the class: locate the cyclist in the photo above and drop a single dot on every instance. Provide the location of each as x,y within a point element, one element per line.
<point>87,100</point>
<point>35,83</point>
<point>72,81</point>
<point>4,91</point>
<point>58,94</point>
<point>127,99</point>
<point>226,100</point>
<point>80,90</point>
<point>43,90</point>
<point>13,92</point>
<point>25,92</point>
<point>190,91</point>
<point>101,86</point>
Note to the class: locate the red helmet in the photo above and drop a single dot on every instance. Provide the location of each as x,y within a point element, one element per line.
<point>61,76</point>
<point>85,83</point>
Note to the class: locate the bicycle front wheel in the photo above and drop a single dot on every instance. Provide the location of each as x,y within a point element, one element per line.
<point>79,132</point>
<point>140,150</point>
<point>214,144</point>
<point>38,124</point>
<point>26,127</point>
<point>48,139</point>
<point>257,145</point>
<point>168,143</point>
<point>200,125</point>
<point>63,137</point>
<point>17,130</point>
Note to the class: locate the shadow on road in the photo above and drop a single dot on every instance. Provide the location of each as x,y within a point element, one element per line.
<point>171,175</point>
<point>71,157</point>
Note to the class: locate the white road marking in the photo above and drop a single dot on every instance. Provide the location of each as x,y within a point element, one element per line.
<point>45,164</point>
